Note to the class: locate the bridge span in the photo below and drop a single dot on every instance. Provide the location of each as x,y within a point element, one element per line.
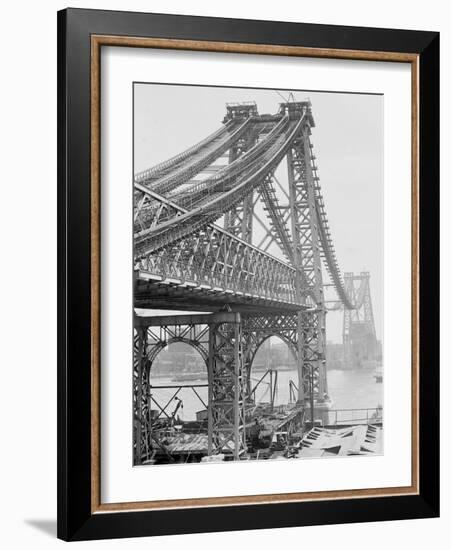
<point>196,248</point>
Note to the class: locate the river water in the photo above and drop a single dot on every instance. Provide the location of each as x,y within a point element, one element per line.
<point>348,389</point>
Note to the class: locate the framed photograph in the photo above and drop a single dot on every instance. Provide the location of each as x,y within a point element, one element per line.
<point>248,274</point>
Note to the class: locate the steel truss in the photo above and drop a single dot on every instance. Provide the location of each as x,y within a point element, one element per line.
<point>153,334</point>
<point>228,343</point>
<point>226,411</point>
<point>257,329</point>
<point>214,258</point>
<point>219,340</point>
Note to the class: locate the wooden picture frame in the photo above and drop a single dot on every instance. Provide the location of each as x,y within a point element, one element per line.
<point>81,35</point>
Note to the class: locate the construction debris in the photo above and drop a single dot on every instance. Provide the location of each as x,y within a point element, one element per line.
<point>354,440</point>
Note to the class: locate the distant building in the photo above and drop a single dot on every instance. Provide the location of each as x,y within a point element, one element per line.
<point>273,354</point>
<point>177,358</point>
<point>361,356</point>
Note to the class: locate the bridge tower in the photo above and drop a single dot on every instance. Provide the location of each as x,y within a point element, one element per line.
<point>226,409</point>
<point>239,220</point>
<point>303,186</point>
<point>300,242</point>
<point>302,247</point>
<point>359,333</point>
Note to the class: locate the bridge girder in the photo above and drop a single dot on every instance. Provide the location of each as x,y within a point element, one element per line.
<point>215,261</point>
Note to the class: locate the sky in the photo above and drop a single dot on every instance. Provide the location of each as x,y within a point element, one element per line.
<point>348,145</point>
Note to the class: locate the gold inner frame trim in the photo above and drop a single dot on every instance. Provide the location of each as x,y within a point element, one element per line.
<point>97,41</point>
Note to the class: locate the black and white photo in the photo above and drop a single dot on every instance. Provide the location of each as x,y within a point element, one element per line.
<point>257,273</point>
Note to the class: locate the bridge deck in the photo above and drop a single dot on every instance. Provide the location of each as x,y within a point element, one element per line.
<point>153,291</point>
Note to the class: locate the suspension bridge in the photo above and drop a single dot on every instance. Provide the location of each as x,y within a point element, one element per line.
<point>202,245</point>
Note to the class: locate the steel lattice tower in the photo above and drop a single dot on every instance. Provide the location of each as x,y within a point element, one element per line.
<point>359,332</point>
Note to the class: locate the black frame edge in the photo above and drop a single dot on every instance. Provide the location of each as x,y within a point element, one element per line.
<point>74,272</point>
<point>264,516</point>
<point>75,521</point>
<point>429,196</point>
<point>61,278</point>
<point>141,24</point>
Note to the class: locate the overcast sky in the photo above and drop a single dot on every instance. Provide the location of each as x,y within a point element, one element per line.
<point>348,144</point>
